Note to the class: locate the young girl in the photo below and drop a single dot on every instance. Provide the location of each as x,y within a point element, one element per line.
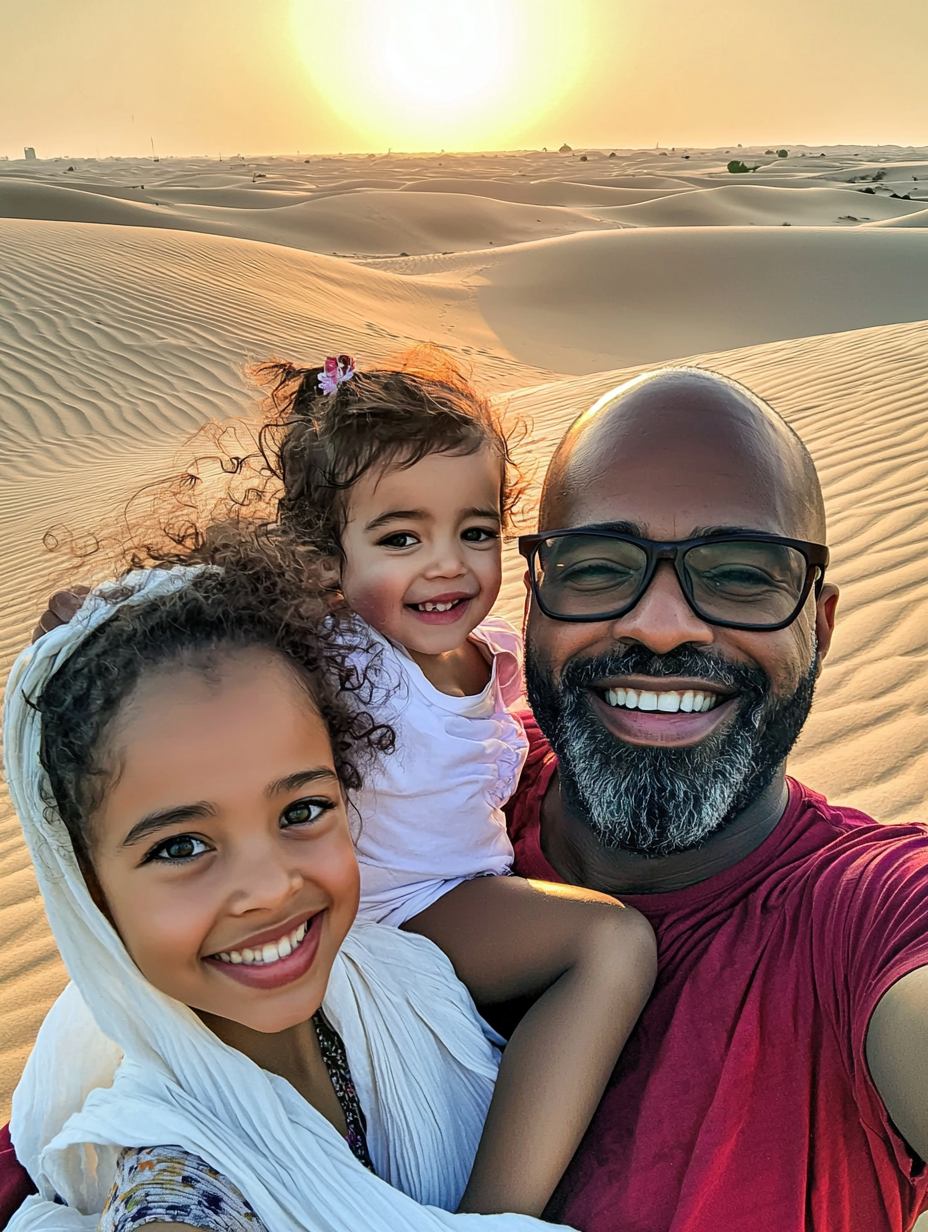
<point>230,1056</point>
<point>403,481</point>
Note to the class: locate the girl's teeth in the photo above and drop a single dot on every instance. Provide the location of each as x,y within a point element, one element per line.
<point>272,952</point>
<point>670,702</point>
<point>436,607</point>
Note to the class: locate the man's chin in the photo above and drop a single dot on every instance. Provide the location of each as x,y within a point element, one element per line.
<point>656,729</point>
<point>657,783</point>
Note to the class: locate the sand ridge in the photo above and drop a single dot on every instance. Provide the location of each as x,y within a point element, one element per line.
<point>128,313</point>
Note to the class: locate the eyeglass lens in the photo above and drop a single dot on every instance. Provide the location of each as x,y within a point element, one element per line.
<point>741,581</point>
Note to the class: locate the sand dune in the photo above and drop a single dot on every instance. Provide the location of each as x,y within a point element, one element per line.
<point>743,205</point>
<point>361,223</point>
<point>601,301</point>
<point>573,194</point>
<point>918,219</point>
<point>125,324</point>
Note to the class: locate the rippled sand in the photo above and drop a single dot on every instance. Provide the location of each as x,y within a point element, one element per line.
<point>128,312</point>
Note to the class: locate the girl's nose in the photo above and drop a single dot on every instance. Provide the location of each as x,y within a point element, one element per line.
<point>446,560</point>
<point>262,878</point>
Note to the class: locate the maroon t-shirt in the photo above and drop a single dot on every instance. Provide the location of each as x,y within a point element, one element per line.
<point>742,1100</point>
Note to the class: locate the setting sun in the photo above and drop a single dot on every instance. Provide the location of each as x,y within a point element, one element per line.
<point>440,73</point>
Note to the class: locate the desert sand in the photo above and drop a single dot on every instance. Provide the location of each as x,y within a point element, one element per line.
<point>132,293</point>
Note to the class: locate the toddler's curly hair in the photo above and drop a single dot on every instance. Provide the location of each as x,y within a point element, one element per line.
<point>320,445</point>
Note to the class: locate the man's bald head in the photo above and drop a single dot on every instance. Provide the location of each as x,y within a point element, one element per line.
<point>692,439</point>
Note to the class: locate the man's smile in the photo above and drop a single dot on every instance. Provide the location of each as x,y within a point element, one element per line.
<point>662,710</point>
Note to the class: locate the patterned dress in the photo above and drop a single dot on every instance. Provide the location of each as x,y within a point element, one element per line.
<point>166,1184</point>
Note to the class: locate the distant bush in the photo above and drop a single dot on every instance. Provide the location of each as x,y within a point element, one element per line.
<point>565,149</point>
<point>782,153</point>
<point>737,167</point>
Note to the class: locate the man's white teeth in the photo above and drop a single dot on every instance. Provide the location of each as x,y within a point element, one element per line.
<point>670,703</point>
<point>270,953</point>
<point>436,607</point>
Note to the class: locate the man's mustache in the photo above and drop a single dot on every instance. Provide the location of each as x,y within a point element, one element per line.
<point>682,661</point>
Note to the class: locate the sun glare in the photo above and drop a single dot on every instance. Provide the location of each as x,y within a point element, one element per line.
<point>432,74</point>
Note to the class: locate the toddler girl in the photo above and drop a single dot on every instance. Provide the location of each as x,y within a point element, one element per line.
<point>403,481</point>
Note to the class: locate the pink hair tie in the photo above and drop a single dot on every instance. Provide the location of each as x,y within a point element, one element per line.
<point>336,369</point>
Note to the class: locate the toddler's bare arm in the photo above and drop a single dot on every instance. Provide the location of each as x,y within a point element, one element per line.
<point>593,961</point>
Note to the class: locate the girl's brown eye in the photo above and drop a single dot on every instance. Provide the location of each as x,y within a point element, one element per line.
<point>401,539</point>
<point>305,812</point>
<point>180,847</point>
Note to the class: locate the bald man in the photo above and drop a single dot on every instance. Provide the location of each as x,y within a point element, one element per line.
<point>677,621</point>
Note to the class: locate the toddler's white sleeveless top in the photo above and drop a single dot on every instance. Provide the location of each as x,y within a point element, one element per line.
<point>431,813</point>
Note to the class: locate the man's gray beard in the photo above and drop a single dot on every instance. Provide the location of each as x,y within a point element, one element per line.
<point>655,800</point>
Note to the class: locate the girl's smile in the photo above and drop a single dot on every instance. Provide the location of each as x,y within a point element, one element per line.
<point>276,957</point>
<point>222,847</point>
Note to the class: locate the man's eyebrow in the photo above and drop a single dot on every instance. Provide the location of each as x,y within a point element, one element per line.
<point>300,779</point>
<point>620,528</point>
<point>705,532</point>
<point>397,515</point>
<point>167,817</point>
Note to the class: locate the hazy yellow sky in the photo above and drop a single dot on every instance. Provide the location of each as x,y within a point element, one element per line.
<point>81,77</point>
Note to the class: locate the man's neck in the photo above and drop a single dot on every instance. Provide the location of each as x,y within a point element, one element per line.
<point>576,855</point>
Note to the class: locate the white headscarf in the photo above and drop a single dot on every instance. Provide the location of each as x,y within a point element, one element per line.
<point>119,1064</point>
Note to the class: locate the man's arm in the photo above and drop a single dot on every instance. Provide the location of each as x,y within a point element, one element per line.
<point>897,1054</point>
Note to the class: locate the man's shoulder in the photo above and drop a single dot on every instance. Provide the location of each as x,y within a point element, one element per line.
<point>846,821</point>
<point>851,851</point>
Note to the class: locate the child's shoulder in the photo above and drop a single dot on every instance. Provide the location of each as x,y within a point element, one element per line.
<point>500,636</point>
<point>505,645</point>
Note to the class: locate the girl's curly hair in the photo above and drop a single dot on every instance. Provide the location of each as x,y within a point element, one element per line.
<point>267,594</point>
<point>320,445</point>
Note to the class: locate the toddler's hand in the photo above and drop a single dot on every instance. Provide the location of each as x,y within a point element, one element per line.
<point>62,608</point>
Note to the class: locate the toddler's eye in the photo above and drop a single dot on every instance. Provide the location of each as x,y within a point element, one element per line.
<point>305,812</point>
<point>479,534</point>
<point>177,849</point>
<point>401,539</point>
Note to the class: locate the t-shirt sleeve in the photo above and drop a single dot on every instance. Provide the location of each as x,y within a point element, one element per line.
<point>166,1184</point>
<point>871,929</point>
<point>506,644</point>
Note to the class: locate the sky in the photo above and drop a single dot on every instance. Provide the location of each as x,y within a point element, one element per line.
<point>87,78</point>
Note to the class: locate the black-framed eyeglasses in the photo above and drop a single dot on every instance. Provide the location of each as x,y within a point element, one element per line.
<point>739,580</point>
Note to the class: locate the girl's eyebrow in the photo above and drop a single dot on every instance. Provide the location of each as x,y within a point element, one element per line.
<point>394,515</point>
<point>422,515</point>
<point>195,812</point>
<point>167,817</point>
<point>300,779</point>
<point>491,515</point>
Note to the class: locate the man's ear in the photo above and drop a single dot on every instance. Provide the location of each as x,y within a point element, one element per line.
<point>825,608</point>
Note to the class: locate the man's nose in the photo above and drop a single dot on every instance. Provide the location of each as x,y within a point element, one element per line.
<point>662,619</point>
